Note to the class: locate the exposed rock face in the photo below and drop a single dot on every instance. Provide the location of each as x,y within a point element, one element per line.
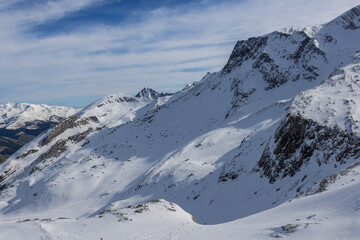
<point>349,20</point>
<point>298,141</point>
<point>80,136</point>
<point>275,74</point>
<point>276,65</point>
<point>279,57</point>
<point>331,179</point>
<point>27,153</point>
<point>67,124</point>
<point>60,128</point>
<point>149,93</point>
<point>244,50</point>
<point>112,99</point>
<point>55,151</point>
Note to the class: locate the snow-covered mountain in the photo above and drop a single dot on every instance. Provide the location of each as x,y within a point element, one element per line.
<point>21,122</point>
<point>25,115</point>
<point>274,133</point>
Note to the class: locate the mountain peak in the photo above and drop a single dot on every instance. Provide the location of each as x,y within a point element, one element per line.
<point>348,20</point>
<point>148,93</point>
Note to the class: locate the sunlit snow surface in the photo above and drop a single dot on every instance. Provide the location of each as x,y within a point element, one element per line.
<point>144,168</point>
<point>333,214</point>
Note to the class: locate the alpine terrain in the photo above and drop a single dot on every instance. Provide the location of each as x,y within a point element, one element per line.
<point>268,147</point>
<point>22,122</point>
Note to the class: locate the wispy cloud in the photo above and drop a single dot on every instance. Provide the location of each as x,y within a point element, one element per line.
<point>37,12</point>
<point>164,48</point>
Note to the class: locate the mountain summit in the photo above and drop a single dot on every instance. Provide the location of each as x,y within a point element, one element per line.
<point>149,93</point>
<point>275,133</point>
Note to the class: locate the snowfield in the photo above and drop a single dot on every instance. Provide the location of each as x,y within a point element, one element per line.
<point>266,148</point>
<point>333,214</point>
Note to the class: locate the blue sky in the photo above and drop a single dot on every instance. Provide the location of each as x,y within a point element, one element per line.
<point>67,52</point>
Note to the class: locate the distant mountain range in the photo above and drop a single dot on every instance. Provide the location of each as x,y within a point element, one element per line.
<point>266,148</point>
<point>21,122</point>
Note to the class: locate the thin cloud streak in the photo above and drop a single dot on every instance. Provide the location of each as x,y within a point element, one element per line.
<point>44,11</point>
<point>153,51</point>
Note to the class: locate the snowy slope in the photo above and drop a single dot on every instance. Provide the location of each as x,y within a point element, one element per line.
<point>328,215</point>
<point>278,123</point>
